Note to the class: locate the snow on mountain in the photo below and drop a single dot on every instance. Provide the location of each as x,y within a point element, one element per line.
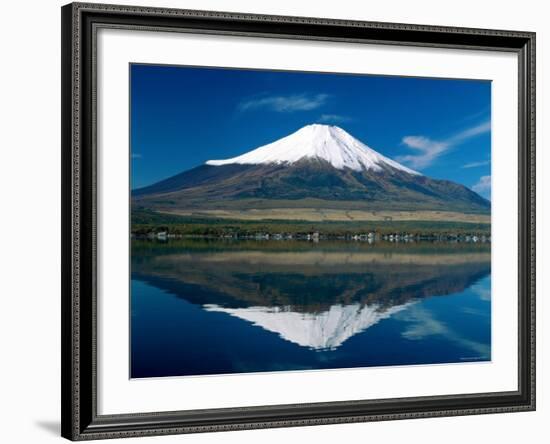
<point>318,331</point>
<point>329,143</point>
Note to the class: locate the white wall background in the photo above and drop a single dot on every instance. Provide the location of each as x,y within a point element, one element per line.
<point>30,220</point>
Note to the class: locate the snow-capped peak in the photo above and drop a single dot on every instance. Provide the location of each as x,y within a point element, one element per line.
<point>317,331</point>
<point>329,143</point>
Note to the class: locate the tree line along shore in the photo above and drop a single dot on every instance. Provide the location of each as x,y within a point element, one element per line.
<point>150,224</point>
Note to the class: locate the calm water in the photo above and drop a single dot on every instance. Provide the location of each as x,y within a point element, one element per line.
<point>215,307</point>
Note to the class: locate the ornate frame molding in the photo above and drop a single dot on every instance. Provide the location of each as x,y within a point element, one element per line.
<point>80,22</point>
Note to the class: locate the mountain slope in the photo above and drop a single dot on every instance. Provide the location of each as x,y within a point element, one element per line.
<point>320,142</point>
<point>316,163</point>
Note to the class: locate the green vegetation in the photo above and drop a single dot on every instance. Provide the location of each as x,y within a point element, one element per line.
<point>146,221</point>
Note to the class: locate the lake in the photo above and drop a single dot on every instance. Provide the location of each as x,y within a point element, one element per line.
<point>205,307</point>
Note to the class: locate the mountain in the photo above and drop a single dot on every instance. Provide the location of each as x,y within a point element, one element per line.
<point>316,298</point>
<point>318,166</point>
<point>317,331</point>
<point>318,142</point>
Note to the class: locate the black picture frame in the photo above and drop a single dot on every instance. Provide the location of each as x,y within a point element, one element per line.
<point>80,420</point>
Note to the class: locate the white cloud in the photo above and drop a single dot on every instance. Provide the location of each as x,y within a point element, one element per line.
<point>483,292</point>
<point>429,150</point>
<point>423,324</point>
<point>136,156</point>
<point>334,118</point>
<point>476,164</point>
<point>478,115</point>
<point>297,102</point>
<point>483,185</point>
<point>470,132</point>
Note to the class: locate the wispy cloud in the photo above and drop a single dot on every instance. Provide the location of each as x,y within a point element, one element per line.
<point>470,132</point>
<point>476,164</point>
<point>428,150</point>
<point>483,292</point>
<point>423,324</point>
<point>483,113</point>
<point>135,156</point>
<point>483,186</point>
<point>285,104</point>
<point>334,118</point>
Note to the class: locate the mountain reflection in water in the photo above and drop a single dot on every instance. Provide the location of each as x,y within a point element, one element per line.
<point>321,300</point>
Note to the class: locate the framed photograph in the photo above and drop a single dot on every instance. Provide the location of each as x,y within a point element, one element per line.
<point>281,221</point>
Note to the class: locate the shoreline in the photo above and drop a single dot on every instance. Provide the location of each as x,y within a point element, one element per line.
<point>316,237</point>
<point>150,224</point>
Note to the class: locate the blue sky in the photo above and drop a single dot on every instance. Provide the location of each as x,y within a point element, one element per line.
<point>184,116</point>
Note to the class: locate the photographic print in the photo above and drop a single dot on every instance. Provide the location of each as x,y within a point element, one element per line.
<point>293,221</point>
<point>256,206</point>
